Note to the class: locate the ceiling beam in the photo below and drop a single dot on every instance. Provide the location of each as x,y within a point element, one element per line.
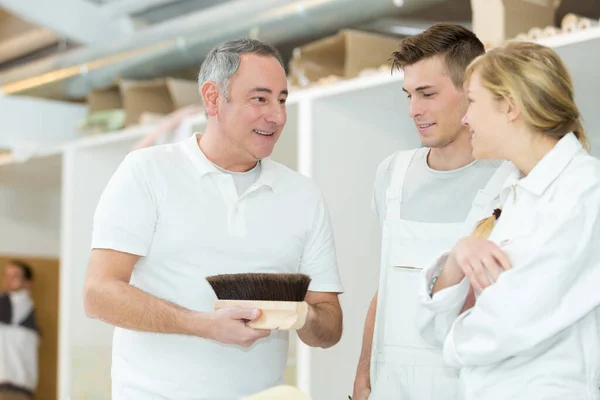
<point>77,20</point>
<point>25,43</point>
<point>128,7</point>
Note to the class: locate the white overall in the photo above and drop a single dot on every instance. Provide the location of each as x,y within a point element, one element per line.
<point>403,365</point>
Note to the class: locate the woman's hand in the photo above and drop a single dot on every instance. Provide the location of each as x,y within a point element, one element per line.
<point>480,260</point>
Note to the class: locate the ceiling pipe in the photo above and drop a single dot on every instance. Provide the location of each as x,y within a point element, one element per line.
<point>182,43</point>
<point>403,27</point>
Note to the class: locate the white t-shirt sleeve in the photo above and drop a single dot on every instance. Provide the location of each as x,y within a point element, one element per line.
<point>127,211</point>
<point>319,260</point>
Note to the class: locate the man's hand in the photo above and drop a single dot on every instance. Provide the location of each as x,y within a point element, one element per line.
<point>228,325</point>
<point>480,260</point>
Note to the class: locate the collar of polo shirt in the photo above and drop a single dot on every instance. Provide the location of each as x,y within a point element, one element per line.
<point>268,173</point>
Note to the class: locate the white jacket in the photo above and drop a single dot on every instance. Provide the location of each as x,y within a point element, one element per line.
<point>535,333</point>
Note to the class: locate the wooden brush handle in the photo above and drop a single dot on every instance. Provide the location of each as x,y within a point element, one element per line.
<point>282,315</point>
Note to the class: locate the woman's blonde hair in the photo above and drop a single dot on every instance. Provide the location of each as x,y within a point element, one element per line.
<point>534,78</point>
<point>485,226</point>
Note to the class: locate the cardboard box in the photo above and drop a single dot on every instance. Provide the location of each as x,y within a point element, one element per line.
<point>158,96</point>
<point>104,99</point>
<point>495,21</point>
<point>345,55</point>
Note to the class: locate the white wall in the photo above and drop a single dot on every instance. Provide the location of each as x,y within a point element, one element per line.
<point>30,198</point>
<point>582,61</point>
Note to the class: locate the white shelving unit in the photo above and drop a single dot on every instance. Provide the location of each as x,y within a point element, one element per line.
<point>336,134</point>
<point>85,364</point>
<point>31,190</point>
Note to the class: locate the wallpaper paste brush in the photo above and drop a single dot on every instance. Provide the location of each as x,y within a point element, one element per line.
<point>279,296</point>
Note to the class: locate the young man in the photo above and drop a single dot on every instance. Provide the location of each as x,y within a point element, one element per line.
<point>19,332</point>
<point>214,204</point>
<point>425,200</point>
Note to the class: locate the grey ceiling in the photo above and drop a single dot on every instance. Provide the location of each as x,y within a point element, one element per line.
<point>149,12</point>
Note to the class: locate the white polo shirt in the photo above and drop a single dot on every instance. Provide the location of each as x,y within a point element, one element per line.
<point>172,206</point>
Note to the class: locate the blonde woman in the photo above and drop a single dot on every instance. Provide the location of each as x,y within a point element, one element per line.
<point>534,329</point>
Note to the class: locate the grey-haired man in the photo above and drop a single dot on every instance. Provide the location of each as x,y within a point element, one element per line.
<point>173,214</point>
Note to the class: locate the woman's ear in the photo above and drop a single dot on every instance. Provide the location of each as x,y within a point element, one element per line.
<point>210,95</point>
<point>509,108</point>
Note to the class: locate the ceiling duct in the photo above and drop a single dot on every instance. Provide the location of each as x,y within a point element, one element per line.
<point>183,42</point>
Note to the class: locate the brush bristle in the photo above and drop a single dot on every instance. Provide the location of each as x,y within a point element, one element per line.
<point>260,286</point>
